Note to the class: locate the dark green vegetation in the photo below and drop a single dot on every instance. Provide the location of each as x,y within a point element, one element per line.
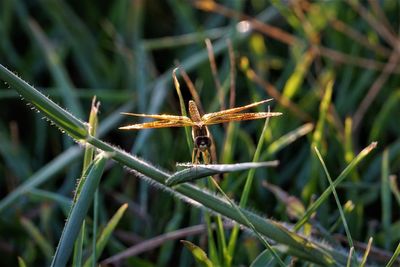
<point>332,68</point>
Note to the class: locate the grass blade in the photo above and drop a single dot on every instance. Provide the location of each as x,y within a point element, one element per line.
<point>106,234</point>
<point>79,211</point>
<point>394,256</point>
<point>204,170</point>
<point>346,228</point>
<point>340,178</point>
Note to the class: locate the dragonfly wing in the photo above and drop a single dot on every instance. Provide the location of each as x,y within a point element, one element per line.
<point>209,116</point>
<point>158,116</point>
<point>240,117</point>
<point>158,124</point>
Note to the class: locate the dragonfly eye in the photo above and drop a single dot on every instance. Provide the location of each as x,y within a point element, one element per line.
<point>202,142</point>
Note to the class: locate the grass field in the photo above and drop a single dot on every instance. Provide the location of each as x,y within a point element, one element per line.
<point>77,191</point>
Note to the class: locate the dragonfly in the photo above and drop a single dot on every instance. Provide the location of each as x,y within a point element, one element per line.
<point>199,123</point>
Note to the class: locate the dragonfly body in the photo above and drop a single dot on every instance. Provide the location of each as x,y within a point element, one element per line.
<point>200,133</point>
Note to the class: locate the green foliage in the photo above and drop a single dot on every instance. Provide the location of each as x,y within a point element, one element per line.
<point>331,67</point>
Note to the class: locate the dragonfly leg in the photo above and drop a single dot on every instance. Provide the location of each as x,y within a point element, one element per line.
<point>196,156</point>
<point>206,156</point>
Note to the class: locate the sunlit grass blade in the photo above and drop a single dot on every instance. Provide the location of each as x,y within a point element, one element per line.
<point>203,170</point>
<point>366,253</point>
<point>289,138</point>
<point>339,205</point>
<point>199,255</point>
<point>79,211</point>
<point>349,259</point>
<point>246,190</point>
<point>106,234</point>
<point>394,256</point>
<point>21,262</point>
<point>318,135</point>
<point>183,108</point>
<point>338,180</point>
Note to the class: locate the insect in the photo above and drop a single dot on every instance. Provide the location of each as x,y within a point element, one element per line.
<point>200,133</point>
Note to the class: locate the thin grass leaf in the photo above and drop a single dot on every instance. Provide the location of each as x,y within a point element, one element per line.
<point>366,253</point>
<point>263,259</point>
<point>212,247</point>
<point>79,211</point>
<point>204,170</point>
<point>338,180</point>
<point>395,188</point>
<point>21,262</point>
<point>250,225</point>
<point>349,259</point>
<point>394,256</point>
<point>106,234</point>
<point>289,138</point>
<point>43,195</point>
<point>318,136</point>
<point>199,255</point>
<point>183,108</point>
<point>295,80</point>
<point>44,174</point>
<point>247,186</point>
<point>38,237</point>
<point>77,256</point>
<point>386,200</point>
<point>339,205</point>
<point>57,70</point>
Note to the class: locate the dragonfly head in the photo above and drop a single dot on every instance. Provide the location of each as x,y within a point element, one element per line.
<point>203,143</point>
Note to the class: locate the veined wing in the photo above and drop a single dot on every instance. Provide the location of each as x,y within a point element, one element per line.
<point>158,116</point>
<point>163,121</point>
<point>240,117</point>
<point>211,116</point>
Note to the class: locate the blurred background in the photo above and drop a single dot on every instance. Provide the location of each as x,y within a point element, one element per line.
<point>123,52</point>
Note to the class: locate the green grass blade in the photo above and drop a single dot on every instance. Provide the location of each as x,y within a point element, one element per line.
<point>204,170</point>
<point>183,108</point>
<point>366,253</point>
<point>77,256</point>
<point>394,256</point>
<point>21,262</point>
<point>340,178</point>
<point>339,205</point>
<point>79,211</point>
<point>38,237</point>
<point>250,225</point>
<point>386,200</point>
<point>289,138</point>
<point>349,259</point>
<point>58,72</point>
<point>395,188</point>
<point>199,255</point>
<point>246,190</point>
<point>44,174</point>
<point>106,234</point>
